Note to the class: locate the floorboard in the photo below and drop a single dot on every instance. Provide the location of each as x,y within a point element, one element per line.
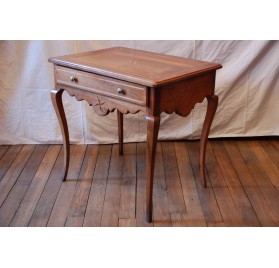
<point>228,208</point>
<point>104,188</point>
<point>195,216</point>
<point>12,174</point>
<point>174,190</point>
<point>242,203</point>
<point>267,188</point>
<point>17,193</point>
<point>141,186</point>
<point>161,214</point>
<point>83,186</point>
<point>207,197</point>
<point>63,201</point>
<point>256,197</point>
<point>8,158</point>
<point>32,196</point>
<point>94,209</point>
<point>74,221</point>
<point>3,150</point>
<point>127,209</point>
<point>127,223</point>
<point>44,207</point>
<point>110,215</point>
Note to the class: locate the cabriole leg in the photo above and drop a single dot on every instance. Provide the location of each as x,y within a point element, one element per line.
<point>120,131</point>
<point>211,109</point>
<point>56,97</point>
<point>153,124</point>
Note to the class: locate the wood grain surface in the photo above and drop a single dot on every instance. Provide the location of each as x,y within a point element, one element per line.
<point>130,81</point>
<point>107,189</point>
<point>136,66</point>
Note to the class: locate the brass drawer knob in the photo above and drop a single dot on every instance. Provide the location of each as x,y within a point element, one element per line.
<point>120,91</point>
<point>73,79</point>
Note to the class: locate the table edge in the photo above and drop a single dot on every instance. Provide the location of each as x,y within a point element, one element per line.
<point>133,79</point>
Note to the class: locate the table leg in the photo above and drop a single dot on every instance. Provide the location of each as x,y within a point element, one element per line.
<point>120,131</point>
<point>56,97</point>
<point>153,124</point>
<point>211,109</point>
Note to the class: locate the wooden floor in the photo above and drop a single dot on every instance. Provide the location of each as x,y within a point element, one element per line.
<point>105,189</point>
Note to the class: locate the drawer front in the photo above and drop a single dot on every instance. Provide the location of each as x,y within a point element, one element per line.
<point>101,85</point>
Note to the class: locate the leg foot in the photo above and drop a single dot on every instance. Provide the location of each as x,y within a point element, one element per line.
<point>211,109</point>
<point>153,124</point>
<point>120,131</point>
<point>56,97</point>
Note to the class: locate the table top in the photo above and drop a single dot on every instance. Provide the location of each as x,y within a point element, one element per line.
<point>136,66</point>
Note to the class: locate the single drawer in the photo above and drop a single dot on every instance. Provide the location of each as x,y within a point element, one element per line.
<point>101,85</point>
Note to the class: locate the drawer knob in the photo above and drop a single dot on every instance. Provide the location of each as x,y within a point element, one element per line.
<point>73,79</point>
<point>120,91</point>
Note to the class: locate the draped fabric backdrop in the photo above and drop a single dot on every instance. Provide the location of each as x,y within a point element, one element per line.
<point>247,86</point>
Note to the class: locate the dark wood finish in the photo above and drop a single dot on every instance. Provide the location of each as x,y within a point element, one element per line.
<point>120,131</point>
<point>238,187</point>
<point>129,81</point>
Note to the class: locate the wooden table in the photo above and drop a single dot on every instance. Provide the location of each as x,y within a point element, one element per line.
<point>129,81</point>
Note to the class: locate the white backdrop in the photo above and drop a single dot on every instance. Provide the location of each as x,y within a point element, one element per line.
<point>247,86</point>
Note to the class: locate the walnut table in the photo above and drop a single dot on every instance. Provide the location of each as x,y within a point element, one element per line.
<point>129,81</point>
